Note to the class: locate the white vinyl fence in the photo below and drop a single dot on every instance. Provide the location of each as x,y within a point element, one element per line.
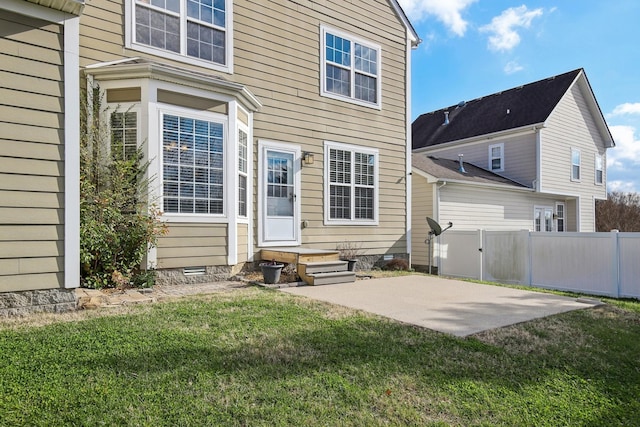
<point>594,263</point>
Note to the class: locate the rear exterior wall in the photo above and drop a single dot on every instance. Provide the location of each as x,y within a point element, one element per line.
<point>31,154</point>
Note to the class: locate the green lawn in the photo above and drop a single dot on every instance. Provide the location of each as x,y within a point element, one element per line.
<point>261,358</point>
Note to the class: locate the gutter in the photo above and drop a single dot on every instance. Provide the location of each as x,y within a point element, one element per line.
<point>483,138</point>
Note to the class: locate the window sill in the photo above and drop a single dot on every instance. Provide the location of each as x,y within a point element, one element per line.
<point>350,223</point>
<point>193,218</point>
<point>180,58</point>
<point>355,101</point>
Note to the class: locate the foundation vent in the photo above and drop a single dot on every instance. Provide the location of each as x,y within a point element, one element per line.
<point>194,271</point>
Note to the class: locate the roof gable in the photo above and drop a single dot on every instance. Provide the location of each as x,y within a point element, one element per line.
<point>515,108</point>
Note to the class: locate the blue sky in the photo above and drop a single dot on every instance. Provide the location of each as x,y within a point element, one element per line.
<point>473,48</point>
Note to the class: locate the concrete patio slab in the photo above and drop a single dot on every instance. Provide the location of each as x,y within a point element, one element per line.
<point>450,306</point>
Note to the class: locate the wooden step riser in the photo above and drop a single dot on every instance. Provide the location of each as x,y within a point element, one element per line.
<point>326,267</point>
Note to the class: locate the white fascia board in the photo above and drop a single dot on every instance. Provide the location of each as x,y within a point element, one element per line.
<point>487,185</point>
<point>493,137</point>
<point>430,178</point>
<point>156,71</point>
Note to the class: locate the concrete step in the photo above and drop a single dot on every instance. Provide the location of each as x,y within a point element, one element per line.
<point>332,278</point>
<point>325,266</point>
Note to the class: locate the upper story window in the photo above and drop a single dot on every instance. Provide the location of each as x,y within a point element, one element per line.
<point>496,157</point>
<point>599,167</point>
<point>351,186</point>
<point>350,68</point>
<point>194,31</point>
<point>575,164</point>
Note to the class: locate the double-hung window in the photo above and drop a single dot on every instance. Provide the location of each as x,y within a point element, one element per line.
<point>124,134</point>
<point>599,168</point>
<point>496,157</point>
<point>351,186</point>
<point>186,30</point>
<point>350,68</point>
<point>560,226</point>
<point>575,164</point>
<point>192,165</point>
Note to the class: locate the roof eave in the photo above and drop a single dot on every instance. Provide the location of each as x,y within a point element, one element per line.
<point>161,72</point>
<point>413,34</point>
<point>487,185</point>
<point>74,7</point>
<point>484,137</point>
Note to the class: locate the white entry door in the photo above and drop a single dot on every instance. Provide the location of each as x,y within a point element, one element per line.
<point>279,199</point>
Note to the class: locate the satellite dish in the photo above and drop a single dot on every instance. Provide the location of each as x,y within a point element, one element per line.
<point>435,227</point>
<point>436,230</point>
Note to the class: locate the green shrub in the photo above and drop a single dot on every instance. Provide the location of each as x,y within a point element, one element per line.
<point>117,223</point>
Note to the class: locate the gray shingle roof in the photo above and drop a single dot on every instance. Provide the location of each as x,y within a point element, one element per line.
<point>447,169</point>
<point>510,109</point>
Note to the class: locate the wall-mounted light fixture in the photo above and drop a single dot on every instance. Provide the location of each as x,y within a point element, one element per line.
<point>308,158</point>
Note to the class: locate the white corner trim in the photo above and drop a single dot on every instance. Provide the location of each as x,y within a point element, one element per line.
<point>231,177</point>
<point>408,168</point>
<point>71,153</point>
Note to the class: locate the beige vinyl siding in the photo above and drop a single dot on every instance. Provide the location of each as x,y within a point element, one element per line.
<point>193,245</point>
<point>243,241</point>
<point>572,125</point>
<point>31,154</point>
<point>277,57</point>
<point>519,156</point>
<point>473,208</point>
<point>423,206</point>
<point>286,53</point>
<point>102,32</point>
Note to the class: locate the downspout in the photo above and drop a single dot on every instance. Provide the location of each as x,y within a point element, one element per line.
<point>538,181</point>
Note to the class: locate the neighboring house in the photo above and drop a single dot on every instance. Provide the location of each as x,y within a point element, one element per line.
<point>267,124</point>
<point>39,154</point>
<point>534,159</point>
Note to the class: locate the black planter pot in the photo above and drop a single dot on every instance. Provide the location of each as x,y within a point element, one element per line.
<point>352,264</point>
<point>271,273</point>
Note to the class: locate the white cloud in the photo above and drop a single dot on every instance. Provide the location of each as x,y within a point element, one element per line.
<point>504,36</point>
<point>626,108</point>
<point>449,12</point>
<point>627,147</point>
<point>512,67</point>
<point>622,186</point>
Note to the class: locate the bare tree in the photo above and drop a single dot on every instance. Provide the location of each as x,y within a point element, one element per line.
<point>621,211</point>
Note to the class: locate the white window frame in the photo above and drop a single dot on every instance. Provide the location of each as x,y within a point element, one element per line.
<point>542,219</point>
<point>123,108</point>
<point>598,159</point>
<point>492,157</point>
<point>559,218</point>
<point>579,165</point>
<point>130,42</point>
<point>245,129</point>
<point>165,109</point>
<point>323,61</point>
<point>328,145</point>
